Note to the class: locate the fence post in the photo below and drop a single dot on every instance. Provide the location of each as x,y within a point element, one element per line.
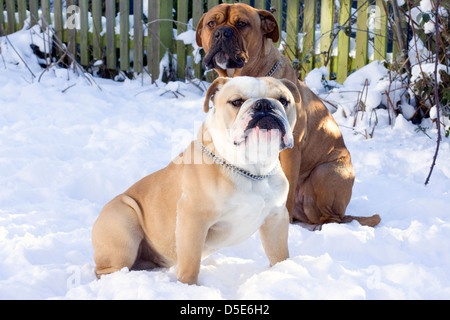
<point>260,4</point>
<point>197,12</point>
<point>362,34</point>
<point>380,40</point>
<point>326,34</point>
<point>309,36</point>
<point>34,12</point>
<point>110,7</point>
<point>58,22</point>
<point>138,47</point>
<point>84,25</point>
<point>22,10</point>
<point>2,19</point>
<point>58,19</point>
<point>10,10</point>
<point>97,29</point>
<point>211,4</point>
<point>292,23</point>
<point>182,18</point>
<point>166,27</point>
<point>72,30</point>
<point>46,17</point>
<point>153,56</point>
<point>124,8</point>
<point>343,40</point>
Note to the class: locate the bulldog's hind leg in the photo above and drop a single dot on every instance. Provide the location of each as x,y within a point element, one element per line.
<point>323,197</point>
<point>116,236</point>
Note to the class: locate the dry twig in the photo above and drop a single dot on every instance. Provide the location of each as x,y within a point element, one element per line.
<point>436,97</point>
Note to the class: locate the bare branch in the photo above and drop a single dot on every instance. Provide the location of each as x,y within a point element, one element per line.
<point>18,54</point>
<point>436,97</point>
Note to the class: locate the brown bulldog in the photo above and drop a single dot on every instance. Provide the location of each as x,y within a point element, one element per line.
<point>237,40</point>
<point>226,185</point>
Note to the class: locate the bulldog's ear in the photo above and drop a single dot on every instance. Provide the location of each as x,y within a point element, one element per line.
<point>269,25</point>
<point>198,33</point>
<point>293,89</point>
<point>212,90</point>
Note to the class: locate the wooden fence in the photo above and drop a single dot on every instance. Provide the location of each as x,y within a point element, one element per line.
<point>134,35</point>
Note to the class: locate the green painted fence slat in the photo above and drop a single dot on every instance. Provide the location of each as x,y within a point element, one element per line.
<point>292,25</point>
<point>71,22</point>
<point>343,40</point>
<point>34,11</point>
<point>211,3</point>
<point>326,33</point>
<point>309,36</point>
<point>124,35</point>
<point>380,39</point>
<point>58,22</point>
<point>138,48</point>
<point>182,18</point>
<point>22,10</point>
<point>97,29</point>
<point>197,12</point>
<point>166,26</point>
<point>58,18</point>
<point>110,11</point>
<point>260,4</point>
<point>11,15</point>
<point>84,25</point>
<point>46,17</point>
<point>2,19</point>
<point>362,35</point>
<point>153,45</point>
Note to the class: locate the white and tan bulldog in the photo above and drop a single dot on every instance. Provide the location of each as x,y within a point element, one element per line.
<point>226,185</point>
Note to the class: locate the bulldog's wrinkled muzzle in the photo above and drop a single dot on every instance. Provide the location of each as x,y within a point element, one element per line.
<point>227,50</point>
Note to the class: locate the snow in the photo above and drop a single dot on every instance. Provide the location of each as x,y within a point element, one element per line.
<point>427,8</point>
<point>189,38</point>
<point>67,148</point>
<point>428,69</point>
<point>371,85</point>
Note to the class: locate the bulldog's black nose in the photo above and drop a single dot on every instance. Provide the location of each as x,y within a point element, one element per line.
<point>223,33</point>
<point>263,105</point>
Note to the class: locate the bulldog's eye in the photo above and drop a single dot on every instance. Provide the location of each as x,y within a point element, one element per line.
<point>241,24</point>
<point>212,24</point>
<point>284,101</point>
<point>237,103</point>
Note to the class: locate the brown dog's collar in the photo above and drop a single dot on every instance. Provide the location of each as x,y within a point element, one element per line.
<point>274,69</point>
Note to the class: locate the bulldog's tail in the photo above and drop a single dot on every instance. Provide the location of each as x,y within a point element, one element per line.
<point>364,221</point>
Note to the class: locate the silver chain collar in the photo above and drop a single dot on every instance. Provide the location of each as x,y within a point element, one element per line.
<point>274,69</point>
<point>233,168</point>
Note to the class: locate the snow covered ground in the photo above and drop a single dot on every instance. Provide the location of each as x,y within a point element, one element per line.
<point>67,148</point>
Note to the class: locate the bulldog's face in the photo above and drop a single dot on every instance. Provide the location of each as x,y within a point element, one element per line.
<point>231,34</point>
<point>252,118</point>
